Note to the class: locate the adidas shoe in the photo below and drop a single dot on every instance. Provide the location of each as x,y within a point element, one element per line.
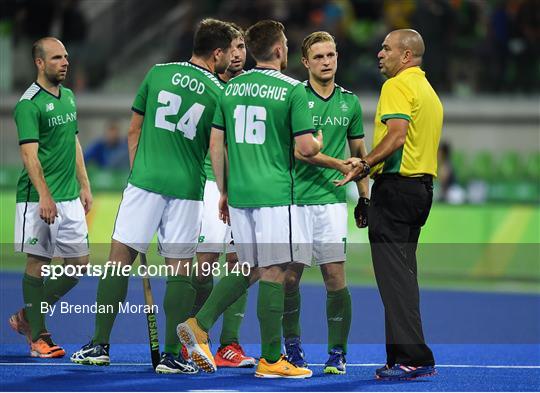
<point>169,364</point>
<point>294,351</point>
<point>92,354</point>
<point>233,356</point>
<point>184,352</point>
<point>401,372</point>
<point>336,362</point>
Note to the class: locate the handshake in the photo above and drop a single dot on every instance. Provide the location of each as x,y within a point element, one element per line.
<point>355,169</point>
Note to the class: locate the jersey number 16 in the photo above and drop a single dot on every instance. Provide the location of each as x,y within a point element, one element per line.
<point>249,126</point>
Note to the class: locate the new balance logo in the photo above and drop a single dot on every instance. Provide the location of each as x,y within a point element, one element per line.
<point>311,104</point>
<point>49,107</point>
<point>32,240</point>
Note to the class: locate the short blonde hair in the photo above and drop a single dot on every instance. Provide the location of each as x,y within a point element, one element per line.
<point>314,38</point>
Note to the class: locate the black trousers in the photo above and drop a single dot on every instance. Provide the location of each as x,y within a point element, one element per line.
<point>399,208</point>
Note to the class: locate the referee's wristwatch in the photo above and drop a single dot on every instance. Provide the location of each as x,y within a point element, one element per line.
<point>365,169</point>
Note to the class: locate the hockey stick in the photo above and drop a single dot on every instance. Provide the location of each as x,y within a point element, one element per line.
<point>150,316</point>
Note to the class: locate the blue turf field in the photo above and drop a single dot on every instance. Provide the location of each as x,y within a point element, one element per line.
<point>482,342</point>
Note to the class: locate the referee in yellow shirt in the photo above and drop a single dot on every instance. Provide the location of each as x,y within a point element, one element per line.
<point>403,162</point>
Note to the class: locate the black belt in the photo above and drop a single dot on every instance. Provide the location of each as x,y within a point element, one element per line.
<point>396,176</point>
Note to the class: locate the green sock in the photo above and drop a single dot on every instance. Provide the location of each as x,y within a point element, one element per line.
<point>53,290</point>
<point>291,314</point>
<point>111,291</point>
<point>338,313</point>
<point>203,290</point>
<point>232,318</point>
<point>270,312</point>
<point>178,302</point>
<point>33,296</point>
<point>225,293</point>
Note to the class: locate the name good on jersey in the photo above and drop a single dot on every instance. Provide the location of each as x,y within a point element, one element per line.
<point>340,118</point>
<point>261,111</point>
<point>52,122</point>
<point>178,101</point>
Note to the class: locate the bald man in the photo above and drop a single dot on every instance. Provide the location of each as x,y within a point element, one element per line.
<point>403,162</point>
<point>53,194</point>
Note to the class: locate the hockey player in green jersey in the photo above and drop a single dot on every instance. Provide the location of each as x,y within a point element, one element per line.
<point>320,208</point>
<point>168,141</point>
<point>262,114</point>
<point>215,238</point>
<point>53,193</point>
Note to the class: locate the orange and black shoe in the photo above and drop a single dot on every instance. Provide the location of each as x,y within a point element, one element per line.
<point>19,323</point>
<point>44,347</point>
<point>233,355</point>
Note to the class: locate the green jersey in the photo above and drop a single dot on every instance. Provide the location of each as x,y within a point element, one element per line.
<point>261,111</point>
<point>208,171</point>
<point>340,118</point>
<point>178,101</point>
<point>51,122</point>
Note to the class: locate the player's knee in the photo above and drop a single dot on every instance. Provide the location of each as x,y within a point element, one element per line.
<point>291,282</point>
<point>232,259</point>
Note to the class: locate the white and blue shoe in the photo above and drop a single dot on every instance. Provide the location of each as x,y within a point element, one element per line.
<point>170,364</point>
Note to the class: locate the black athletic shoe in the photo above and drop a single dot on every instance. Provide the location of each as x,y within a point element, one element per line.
<point>401,372</point>
<point>92,354</point>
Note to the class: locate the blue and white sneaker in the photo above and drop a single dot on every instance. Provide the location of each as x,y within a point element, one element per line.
<point>336,362</point>
<point>294,352</point>
<point>92,354</point>
<point>169,364</point>
<point>400,372</point>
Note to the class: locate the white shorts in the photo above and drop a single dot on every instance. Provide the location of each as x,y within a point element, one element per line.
<point>262,236</point>
<point>66,238</point>
<point>143,213</point>
<point>320,233</point>
<point>215,235</point>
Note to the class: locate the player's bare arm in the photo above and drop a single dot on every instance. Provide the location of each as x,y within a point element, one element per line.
<point>394,139</point>
<point>134,132</point>
<point>82,177</point>
<point>47,206</point>
<point>358,150</point>
<point>307,145</point>
<point>217,155</point>
<point>324,161</point>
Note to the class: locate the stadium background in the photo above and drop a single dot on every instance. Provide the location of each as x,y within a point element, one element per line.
<point>481,56</point>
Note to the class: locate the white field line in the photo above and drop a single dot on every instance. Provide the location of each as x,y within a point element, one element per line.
<point>8,364</point>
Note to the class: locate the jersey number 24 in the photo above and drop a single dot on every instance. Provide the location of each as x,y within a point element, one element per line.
<point>189,120</point>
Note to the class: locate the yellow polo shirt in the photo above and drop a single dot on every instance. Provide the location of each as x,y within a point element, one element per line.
<point>409,96</point>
